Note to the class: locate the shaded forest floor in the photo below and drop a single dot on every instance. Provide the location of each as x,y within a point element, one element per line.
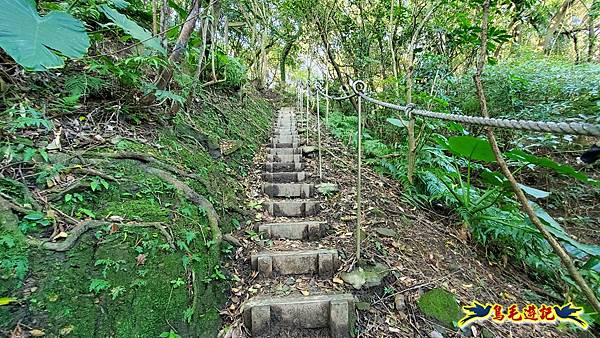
<point>421,249</point>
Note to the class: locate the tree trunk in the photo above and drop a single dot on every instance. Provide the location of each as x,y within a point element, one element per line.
<point>591,36</point>
<point>392,33</point>
<point>284,55</point>
<point>165,11</point>
<point>154,17</point>
<point>554,24</point>
<point>336,67</point>
<point>184,36</point>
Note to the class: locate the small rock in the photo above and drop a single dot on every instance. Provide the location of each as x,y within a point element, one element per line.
<point>368,277</point>
<point>232,240</point>
<point>115,218</point>
<point>290,281</point>
<point>309,149</point>
<point>327,188</point>
<point>400,302</point>
<point>363,306</point>
<point>435,334</point>
<point>386,232</point>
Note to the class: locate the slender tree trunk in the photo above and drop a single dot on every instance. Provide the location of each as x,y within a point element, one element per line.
<point>412,142</point>
<point>556,246</point>
<point>336,67</point>
<point>392,33</point>
<point>165,11</point>
<point>591,37</point>
<point>554,24</point>
<point>154,17</point>
<point>284,55</point>
<point>166,74</point>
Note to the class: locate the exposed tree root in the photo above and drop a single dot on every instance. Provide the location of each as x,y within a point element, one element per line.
<point>190,194</point>
<point>144,158</point>
<point>84,226</point>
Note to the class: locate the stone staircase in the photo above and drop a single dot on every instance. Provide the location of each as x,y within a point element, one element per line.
<point>291,200</point>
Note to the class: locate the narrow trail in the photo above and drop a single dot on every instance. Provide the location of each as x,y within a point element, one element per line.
<point>292,255</point>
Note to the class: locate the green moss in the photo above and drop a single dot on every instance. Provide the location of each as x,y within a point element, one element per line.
<point>148,284</point>
<point>441,305</point>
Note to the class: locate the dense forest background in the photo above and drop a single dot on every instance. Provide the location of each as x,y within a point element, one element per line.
<point>145,112</point>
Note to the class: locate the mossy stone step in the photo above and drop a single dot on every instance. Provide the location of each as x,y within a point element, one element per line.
<point>263,315</point>
<point>296,158</point>
<point>292,208</point>
<point>312,230</point>
<point>285,151</point>
<point>285,144</point>
<point>276,167</point>
<point>322,262</point>
<point>285,139</point>
<point>301,190</point>
<point>284,177</point>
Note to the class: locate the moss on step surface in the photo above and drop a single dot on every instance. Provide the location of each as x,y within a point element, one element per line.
<point>124,280</point>
<point>440,305</point>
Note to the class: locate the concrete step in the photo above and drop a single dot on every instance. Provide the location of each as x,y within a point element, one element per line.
<point>285,139</point>
<point>301,190</point>
<point>264,315</point>
<point>285,151</point>
<point>284,177</point>
<point>299,231</point>
<point>277,167</point>
<point>292,208</point>
<point>296,158</point>
<point>322,262</point>
<point>284,145</point>
<point>284,135</point>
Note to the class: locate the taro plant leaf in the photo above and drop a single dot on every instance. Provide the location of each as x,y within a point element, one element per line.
<point>520,155</point>
<point>471,147</point>
<point>396,122</point>
<point>120,4</point>
<point>537,193</point>
<point>133,29</point>
<point>37,43</point>
<point>571,245</point>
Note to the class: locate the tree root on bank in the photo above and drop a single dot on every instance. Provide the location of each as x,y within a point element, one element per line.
<point>84,226</point>
<point>190,194</point>
<point>148,159</point>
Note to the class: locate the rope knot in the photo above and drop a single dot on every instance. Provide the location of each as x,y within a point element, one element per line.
<point>409,108</point>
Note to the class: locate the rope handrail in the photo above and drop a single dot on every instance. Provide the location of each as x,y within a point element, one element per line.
<point>338,98</point>
<point>573,128</point>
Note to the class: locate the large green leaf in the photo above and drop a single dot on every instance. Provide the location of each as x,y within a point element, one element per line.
<point>573,246</point>
<point>133,29</point>
<point>396,122</point>
<point>520,155</point>
<point>35,42</point>
<point>472,148</point>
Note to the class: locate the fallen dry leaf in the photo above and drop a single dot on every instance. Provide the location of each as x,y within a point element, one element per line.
<point>140,259</point>
<point>37,333</point>
<point>338,280</point>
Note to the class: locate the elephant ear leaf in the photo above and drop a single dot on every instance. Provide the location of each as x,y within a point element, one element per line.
<point>39,43</point>
<point>132,28</point>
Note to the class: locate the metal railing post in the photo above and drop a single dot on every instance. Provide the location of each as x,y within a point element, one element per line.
<point>319,137</point>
